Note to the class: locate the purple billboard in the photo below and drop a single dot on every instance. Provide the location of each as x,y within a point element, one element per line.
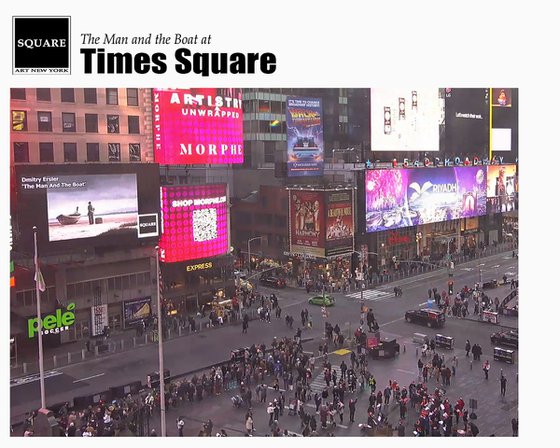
<point>407,197</point>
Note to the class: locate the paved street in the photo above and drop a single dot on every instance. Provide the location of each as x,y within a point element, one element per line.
<point>199,350</point>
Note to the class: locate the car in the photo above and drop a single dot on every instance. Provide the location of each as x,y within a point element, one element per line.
<point>273,282</point>
<point>426,316</point>
<point>322,300</point>
<point>509,338</point>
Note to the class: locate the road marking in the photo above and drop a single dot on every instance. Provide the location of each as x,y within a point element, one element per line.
<point>371,294</point>
<point>34,377</point>
<point>341,352</point>
<point>407,371</point>
<point>422,304</point>
<point>391,322</point>
<point>88,378</point>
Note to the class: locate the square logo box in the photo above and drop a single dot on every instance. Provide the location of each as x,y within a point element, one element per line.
<point>41,45</point>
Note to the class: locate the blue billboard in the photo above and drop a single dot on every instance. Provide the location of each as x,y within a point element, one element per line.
<point>398,198</point>
<point>304,135</point>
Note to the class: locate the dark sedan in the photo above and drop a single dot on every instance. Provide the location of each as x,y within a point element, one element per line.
<point>273,282</point>
<point>426,316</point>
<point>509,338</point>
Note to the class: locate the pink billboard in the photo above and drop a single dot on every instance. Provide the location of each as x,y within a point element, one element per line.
<point>195,222</point>
<point>197,126</point>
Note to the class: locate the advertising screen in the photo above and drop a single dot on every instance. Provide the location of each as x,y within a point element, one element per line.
<point>107,204</point>
<point>406,119</point>
<point>502,188</point>
<point>407,197</point>
<point>304,129</point>
<point>505,118</point>
<point>195,222</point>
<point>197,126</point>
<point>307,225</point>
<point>340,223</point>
<point>467,122</point>
<point>137,309</point>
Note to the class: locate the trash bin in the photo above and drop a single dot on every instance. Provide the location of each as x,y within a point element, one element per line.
<point>445,341</point>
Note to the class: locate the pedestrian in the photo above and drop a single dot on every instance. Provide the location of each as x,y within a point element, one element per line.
<point>429,293</point>
<point>514,427</point>
<point>387,395</point>
<point>468,347</point>
<point>420,367</point>
<point>486,368</point>
<point>270,412</point>
<point>340,410</point>
<point>245,326</point>
<point>503,382</point>
<point>180,425</point>
<point>352,408</point>
<point>249,425</point>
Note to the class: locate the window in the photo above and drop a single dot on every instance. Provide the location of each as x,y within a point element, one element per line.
<point>92,152</point>
<point>133,124</point>
<point>46,152</point>
<point>19,120</point>
<point>90,96</point>
<point>112,96</point>
<point>113,124</point>
<point>114,152</point>
<point>44,121</point>
<point>43,94</point>
<point>134,152</point>
<point>21,152</point>
<point>67,95</point>
<point>132,97</point>
<point>17,94</point>
<point>68,122</point>
<point>70,152</point>
<point>91,123</point>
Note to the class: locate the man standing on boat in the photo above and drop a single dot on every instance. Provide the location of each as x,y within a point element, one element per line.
<point>90,211</point>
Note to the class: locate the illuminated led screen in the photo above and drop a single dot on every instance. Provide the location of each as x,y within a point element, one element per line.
<point>407,197</point>
<point>304,136</point>
<point>406,119</point>
<point>502,188</point>
<point>198,126</point>
<point>195,222</point>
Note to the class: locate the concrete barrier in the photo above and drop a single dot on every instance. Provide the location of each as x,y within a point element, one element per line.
<point>419,338</point>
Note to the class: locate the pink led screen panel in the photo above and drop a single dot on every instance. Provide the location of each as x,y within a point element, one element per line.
<point>197,126</point>
<point>195,222</point>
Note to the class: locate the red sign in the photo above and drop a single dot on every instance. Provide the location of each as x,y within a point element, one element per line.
<point>394,238</point>
<point>340,223</point>
<point>197,126</point>
<point>307,223</point>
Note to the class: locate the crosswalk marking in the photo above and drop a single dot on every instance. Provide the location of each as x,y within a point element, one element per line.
<point>318,384</point>
<point>371,295</point>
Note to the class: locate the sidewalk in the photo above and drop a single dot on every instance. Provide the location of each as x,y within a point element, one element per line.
<point>121,341</point>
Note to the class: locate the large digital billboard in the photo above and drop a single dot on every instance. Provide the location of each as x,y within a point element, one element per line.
<point>197,126</point>
<point>505,121</point>
<point>106,204</point>
<point>339,223</point>
<point>195,222</point>
<point>467,115</point>
<point>502,188</point>
<point>304,129</point>
<point>406,119</point>
<point>407,197</point>
<point>307,223</point>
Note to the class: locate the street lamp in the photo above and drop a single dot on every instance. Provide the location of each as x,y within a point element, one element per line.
<point>249,250</point>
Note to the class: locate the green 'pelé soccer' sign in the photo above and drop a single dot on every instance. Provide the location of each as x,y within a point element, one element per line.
<point>52,323</point>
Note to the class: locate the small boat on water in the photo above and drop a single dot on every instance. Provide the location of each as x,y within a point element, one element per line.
<point>68,219</point>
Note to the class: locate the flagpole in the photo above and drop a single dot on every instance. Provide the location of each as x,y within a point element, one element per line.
<point>39,322</point>
<point>160,350</point>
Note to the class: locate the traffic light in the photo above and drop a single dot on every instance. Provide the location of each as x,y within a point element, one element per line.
<point>450,287</point>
